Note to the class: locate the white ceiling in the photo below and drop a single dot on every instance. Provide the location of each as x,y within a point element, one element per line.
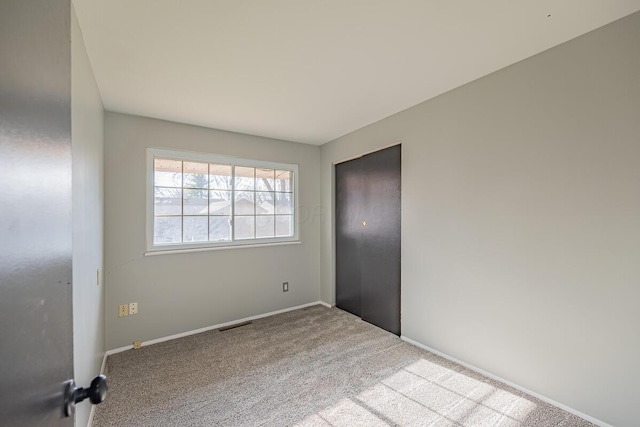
<point>311,71</point>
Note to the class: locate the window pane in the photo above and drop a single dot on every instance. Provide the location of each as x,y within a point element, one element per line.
<point>244,227</point>
<point>265,226</point>
<point>220,177</point>
<point>167,201</point>
<point>245,178</point>
<point>167,230</point>
<point>209,198</point>
<point>167,173</point>
<point>264,203</point>
<point>219,228</point>
<point>196,202</point>
<point>265,179</point>
<point>195,229</point>
<point>284,181</point>
<point>284,203</point>
<point>284,225</point>
<point>219,202</point>
<point>196,175</point>
<point>244,203</point>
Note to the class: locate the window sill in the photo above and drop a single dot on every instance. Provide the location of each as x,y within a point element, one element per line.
<point>219,248</point>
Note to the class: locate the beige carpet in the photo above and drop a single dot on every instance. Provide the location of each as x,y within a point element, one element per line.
<point>311,367</point>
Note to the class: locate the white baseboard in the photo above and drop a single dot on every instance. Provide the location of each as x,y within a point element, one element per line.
<point>104,363</point>
<point>93,407</point>
<point>91,414</point>
<point>507,382</point>
<point>218,326</point>
<point>325,304</point>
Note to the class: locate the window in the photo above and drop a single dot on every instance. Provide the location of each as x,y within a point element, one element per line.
<point>198,200</point>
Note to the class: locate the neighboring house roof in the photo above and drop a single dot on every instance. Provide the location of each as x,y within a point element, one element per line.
<point>219,207</point>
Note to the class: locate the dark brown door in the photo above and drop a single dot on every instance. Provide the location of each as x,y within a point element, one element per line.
<point>36,353</point>
<point>368,237</point>
<point>349,212</point>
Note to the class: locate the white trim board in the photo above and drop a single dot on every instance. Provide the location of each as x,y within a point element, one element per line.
<point>218,326</point>
<point>93,407</point>
<point>507,382</point>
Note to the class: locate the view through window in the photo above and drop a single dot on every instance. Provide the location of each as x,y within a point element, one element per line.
<point>219,202</point>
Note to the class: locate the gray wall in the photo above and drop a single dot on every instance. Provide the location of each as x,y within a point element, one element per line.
<point>181,292</point>
<point>521,221</point>
<point>87,150</point>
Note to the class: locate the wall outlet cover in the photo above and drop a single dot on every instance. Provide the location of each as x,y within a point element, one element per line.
<point>123,310</point>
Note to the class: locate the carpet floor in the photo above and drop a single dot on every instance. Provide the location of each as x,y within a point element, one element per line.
<point>310,367</point>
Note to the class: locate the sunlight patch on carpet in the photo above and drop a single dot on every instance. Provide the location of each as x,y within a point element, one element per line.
<point>427,393</point>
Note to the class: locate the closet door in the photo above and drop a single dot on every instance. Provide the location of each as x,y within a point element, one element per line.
<point>349,206</point>
<point>368,238</point>
<point>380,242</point>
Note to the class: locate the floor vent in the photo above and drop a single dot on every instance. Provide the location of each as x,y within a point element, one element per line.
<point>237,325</point>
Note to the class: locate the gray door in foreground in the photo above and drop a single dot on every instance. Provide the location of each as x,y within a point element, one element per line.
<point>36,354</point>
<point>368,225</point>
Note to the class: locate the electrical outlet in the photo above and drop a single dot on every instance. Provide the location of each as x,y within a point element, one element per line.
<point>285,286</point>
<point>137,344</point>
<point>133,308</point>
<point>123,310</point>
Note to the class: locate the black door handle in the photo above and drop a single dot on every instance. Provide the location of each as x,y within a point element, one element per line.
<point>96,393</point>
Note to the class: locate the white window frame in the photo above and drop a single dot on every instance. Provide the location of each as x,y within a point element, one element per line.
<point>153,249</point>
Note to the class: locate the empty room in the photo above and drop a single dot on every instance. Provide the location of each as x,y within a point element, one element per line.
<point>320,213</point>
